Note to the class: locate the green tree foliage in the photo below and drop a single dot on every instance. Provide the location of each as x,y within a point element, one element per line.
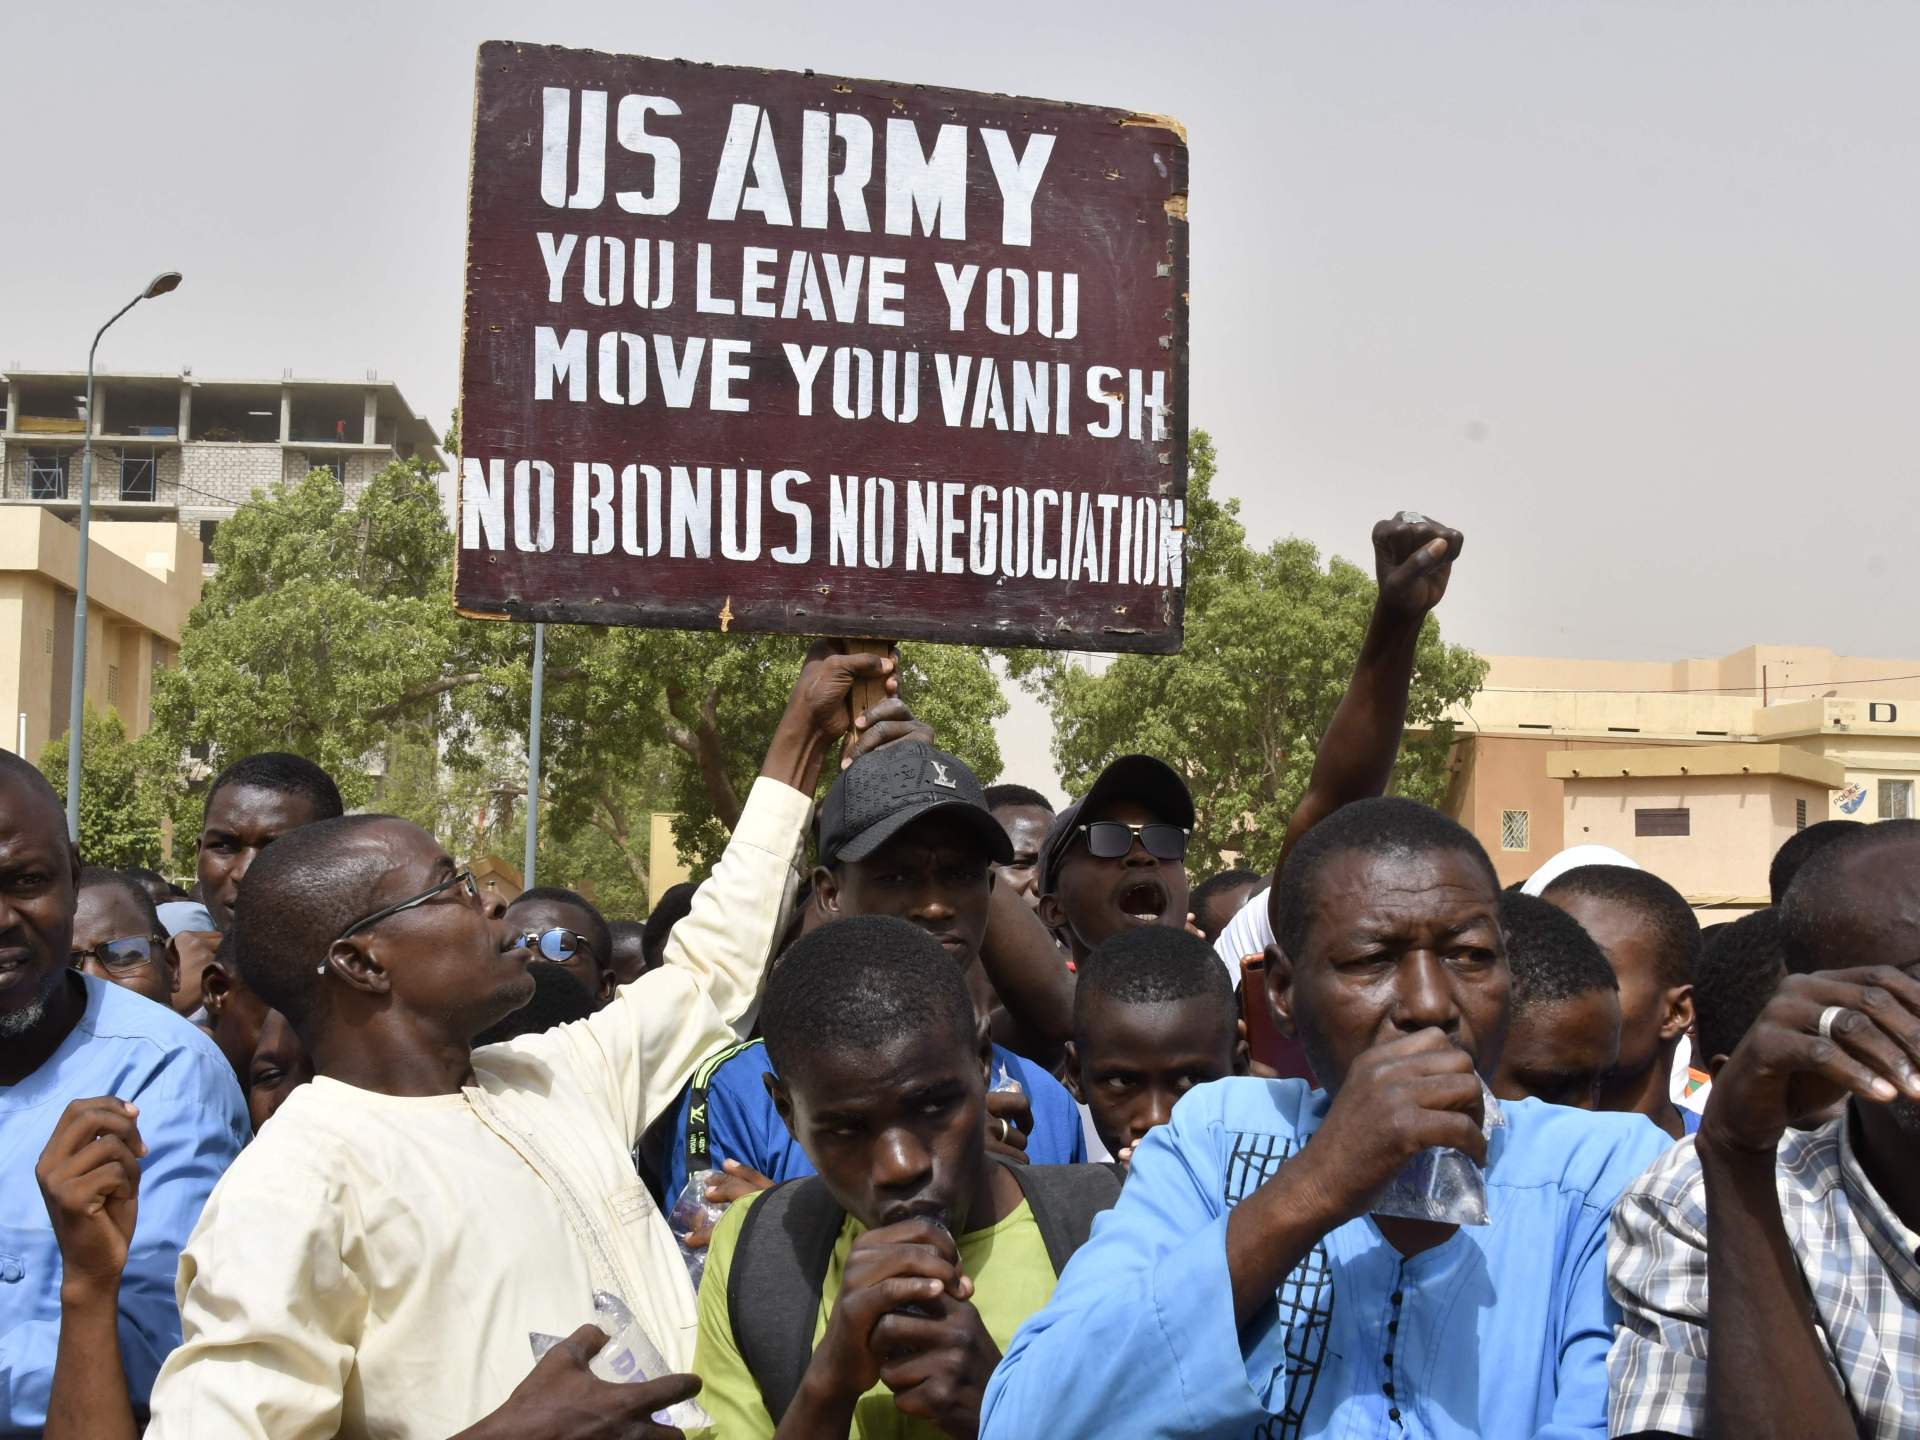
<point>683,718</point>
<point>1271,637</point>
<point>327,630</point>
<point>122,804</point>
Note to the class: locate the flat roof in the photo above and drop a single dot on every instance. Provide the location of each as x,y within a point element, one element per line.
<point>428,435</point>
<point>1673,761</point>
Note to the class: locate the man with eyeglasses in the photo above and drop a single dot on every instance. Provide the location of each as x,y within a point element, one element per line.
<point>117,935</point>
<point>558,927</point>
<point>383,1258</point>
<point>70,1040</point>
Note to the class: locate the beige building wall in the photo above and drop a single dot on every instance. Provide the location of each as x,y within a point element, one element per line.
<point>1859,713</point>
<point>664,869</point>
<point>1497,774</point>
<point>1741,803</point>
<point>143,579</point>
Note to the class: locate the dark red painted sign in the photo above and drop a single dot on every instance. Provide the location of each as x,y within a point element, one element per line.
<point>772,351</point>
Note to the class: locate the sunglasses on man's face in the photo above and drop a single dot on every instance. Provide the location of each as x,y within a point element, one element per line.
<point>122,956</point>
<point>556,944</point>
<point>1111,839</point>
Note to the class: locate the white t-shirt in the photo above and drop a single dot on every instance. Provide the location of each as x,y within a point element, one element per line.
<point>1249,932</point>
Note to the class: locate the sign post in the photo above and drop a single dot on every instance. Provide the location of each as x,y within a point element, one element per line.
<point>766,351</point>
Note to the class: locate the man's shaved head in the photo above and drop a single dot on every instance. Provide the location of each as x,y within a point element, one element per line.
<point>306,888</point>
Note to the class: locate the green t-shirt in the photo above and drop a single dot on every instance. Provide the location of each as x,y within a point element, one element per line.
<point>1012,1277</point>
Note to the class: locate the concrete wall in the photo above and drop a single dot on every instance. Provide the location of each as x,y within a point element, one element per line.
<point>226,473</point>
<point>143,579</point>
<point>1736,824</point>
<point>360,468</point>
<point>1494,773</point>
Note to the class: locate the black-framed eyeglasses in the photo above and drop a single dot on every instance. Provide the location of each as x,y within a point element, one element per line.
<point>1111,839</point>
<point>122,956</point>
<point>556,944</point>
<point>463,878</point>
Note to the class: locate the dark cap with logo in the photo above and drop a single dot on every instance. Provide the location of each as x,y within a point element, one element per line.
<point>1153,783</point>
<point>886,790</point>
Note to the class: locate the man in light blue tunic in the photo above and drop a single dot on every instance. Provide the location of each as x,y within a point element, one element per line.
<point>1245,1287</point>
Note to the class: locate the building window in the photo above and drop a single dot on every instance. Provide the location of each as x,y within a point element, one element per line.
<point>1799,814</point>
<point>208,529</point>
<point>46,474</point>
<point>334,464</point>
<point>1513,830</point>
<point>1896,799</point>
<point>113,684</point>
<point>1663,822</point>
<point>139,473</point>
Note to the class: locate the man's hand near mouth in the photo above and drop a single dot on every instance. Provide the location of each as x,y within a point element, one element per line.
<point>910,1265</point>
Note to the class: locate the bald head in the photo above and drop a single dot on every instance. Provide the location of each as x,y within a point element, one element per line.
<point>304,890</point>
<point>423,967</point>
<point>29,795</point>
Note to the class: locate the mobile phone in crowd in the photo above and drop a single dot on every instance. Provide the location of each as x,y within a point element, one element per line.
<point>1266,1043</point>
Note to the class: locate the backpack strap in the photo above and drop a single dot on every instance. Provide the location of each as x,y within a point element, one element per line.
<point>1064,1199</point>
<point>773,1290</point>
<point>699,1154</point>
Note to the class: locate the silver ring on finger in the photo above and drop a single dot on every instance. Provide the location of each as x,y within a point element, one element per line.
<point>1830,1017</point>
<point>1001,1120</point>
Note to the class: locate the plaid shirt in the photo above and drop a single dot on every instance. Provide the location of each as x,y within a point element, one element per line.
<point>1860,1263</point>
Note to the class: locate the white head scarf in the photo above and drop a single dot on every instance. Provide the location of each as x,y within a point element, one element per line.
<point>1573,858</point>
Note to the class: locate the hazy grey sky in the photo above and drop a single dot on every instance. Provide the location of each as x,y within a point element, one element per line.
<point>1628,291</point>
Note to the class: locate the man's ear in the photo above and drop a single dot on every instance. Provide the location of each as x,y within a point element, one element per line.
<point>216,986</point>
<point>1242,1052</point>
<point>354,961</point>
<point>1678,1017</point>
<point>782,1101</point>
<point>1070,1071</point>
<point>1279,977</point>
<point>1714,1062</point>
<point>609,982</point>
<point>170,959</point>
<point>826,891</point>
<point>1052,913</point>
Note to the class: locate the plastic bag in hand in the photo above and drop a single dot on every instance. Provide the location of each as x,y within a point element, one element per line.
<point>693,1212</point>
<point>628,1357</point>
<point>1442,1184</point>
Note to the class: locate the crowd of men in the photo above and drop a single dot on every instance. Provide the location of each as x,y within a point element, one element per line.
<point>932,1111</point>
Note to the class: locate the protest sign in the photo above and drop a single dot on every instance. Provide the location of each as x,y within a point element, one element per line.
<point>788,352</point>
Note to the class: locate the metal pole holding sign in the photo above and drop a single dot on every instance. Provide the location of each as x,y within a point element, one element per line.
<point>533,751</point>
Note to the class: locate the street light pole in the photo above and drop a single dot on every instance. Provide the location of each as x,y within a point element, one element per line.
<point>76,703</point>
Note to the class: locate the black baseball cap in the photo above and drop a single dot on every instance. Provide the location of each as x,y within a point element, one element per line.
<point>886,790</point>
<point>1152,782</point>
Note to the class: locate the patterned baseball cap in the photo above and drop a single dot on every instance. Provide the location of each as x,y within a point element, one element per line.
<point>887,789</point>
